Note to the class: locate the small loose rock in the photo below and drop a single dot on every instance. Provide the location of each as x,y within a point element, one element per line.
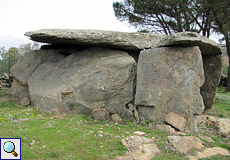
<point>100,135</point>
<point>139,133</point>
<point>32,143</point>
<point>100,132</point>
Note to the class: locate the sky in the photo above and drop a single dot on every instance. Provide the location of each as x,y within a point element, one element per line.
<point>20,16</point>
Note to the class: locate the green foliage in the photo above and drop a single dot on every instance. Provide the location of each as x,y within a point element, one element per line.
<point>218,157</point>
<point>148,121</point>
<point>222,103</point>
<point>161,145</point>
<point>23,48</point>
<point>143,31</point>
<point>12,53</point>
<point>164,16</point>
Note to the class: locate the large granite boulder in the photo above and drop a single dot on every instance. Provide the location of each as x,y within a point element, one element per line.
<point>169,80</point>
<point>85,80</point>
<point>113,39</point>
<point>25,67</point>
<point>31,61</point>
<point>211,55</point>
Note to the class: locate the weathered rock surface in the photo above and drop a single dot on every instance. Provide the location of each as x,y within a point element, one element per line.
<point>212,61</point>
<point>142,152</point>
<point>209,152</point>
<point>132,142</point>
<point>126,113</point>
<point>18,91</point>
<point>139,133</point>
<point>206,120</point>
<point>176,121</point>
<point>81,82</point>
<point>212,70</point>
<point>116,118</point>
<point>169,80</point>
<point>209,139</point>
<point>131,107</point>
<point>100,114</point>
<point>207,46</point>
<point>136,115</point>
<point>25,101</point>
<point>166,128</point>
<point>31,61</point>
<point>128,41</point>
<point>221,125</point>
<point>139,148</point>
<point>185,144</point>
<point>22,70</point>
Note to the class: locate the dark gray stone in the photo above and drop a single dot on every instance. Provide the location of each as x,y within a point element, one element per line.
<point>100,114</point>
<point>129,41</point>
<point>212,70</point>
<point>207,46</point>
<point>169,80</point>
<point>126,113</point>
<point>83,81</point>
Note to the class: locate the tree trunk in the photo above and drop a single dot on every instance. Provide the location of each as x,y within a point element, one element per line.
<point>228,52</point>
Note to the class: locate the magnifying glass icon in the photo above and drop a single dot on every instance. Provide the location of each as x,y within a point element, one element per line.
<point>9,147</point>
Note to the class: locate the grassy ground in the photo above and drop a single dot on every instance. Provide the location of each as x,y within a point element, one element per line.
<point>76,136</point>
<point>221,107</point>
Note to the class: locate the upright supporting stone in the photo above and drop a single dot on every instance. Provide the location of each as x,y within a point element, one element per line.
<point>169,80</point>
<point>211,54</point>
<point>212,70</point>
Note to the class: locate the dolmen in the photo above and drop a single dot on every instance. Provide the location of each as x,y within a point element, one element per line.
<point>80,71</point>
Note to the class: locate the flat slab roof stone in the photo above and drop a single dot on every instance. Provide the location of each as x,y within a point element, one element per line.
<point>135,41</point>
<point>207,46</point>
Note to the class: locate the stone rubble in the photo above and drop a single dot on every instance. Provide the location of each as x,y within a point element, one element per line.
<point>221,125</point>
<point>185,144</point>
<point>139,148</point>
<point>4,80</point>
<point>209,152</point>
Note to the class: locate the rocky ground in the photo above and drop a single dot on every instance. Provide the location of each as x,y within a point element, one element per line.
<point>194,145</point>
<point>211,140</point>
